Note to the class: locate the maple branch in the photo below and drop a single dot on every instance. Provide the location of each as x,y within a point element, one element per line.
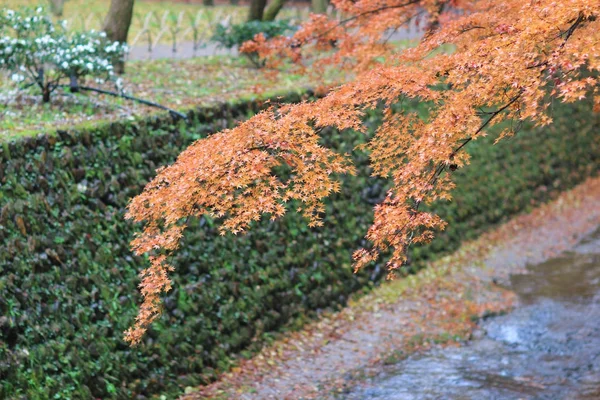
<point>345,21</point>
<point>567,34</point>
<point>442,165</point>
<point>471,28</point>
<point>435,24</point>
<point>407,20</point>
<point>488,75</point>
<point>376,10</point>
<point>485,124</point>
<point>572,29</point>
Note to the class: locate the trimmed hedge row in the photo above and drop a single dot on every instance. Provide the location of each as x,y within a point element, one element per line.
<point>68,282</point>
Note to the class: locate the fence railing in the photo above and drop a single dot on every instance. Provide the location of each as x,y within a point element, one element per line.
<point>158,33</point>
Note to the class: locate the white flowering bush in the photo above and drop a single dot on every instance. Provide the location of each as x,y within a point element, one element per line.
<point>35,49</point>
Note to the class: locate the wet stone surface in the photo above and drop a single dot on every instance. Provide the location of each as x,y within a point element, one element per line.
<point>547,348</point>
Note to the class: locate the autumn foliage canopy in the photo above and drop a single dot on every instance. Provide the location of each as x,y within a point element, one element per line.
<point>480,62</point>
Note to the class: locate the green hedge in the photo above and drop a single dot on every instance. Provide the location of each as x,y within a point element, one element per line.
<point>68,281</point>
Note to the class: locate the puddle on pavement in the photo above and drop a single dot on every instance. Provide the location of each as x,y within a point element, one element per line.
<point>547,348</point>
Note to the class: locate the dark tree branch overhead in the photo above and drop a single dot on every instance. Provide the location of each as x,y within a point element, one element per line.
<point>567,35</point>
<point>365,13</point>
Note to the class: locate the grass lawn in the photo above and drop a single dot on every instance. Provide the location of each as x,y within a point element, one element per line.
<point>178,84</point>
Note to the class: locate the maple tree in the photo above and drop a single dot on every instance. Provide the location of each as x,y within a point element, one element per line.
<point>504,60</point>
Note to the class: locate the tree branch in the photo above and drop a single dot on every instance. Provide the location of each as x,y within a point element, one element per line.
<point>342,22</point>
<point>568,35</point>
<point>125,96</point>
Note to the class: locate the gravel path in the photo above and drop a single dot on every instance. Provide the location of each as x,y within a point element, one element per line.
<point>186,50</point>
<point>183,51</point>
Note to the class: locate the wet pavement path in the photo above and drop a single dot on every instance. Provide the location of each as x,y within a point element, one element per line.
<point>547,348</point>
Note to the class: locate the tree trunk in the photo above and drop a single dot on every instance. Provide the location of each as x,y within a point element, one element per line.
<point>73,84</point>
<point>57,7</point>
<point>116,25</point>
<point>273,9</point>
<point>319,6</point>
<point>208,3</point>
<point>257,9</point>
<point>46,94</point>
